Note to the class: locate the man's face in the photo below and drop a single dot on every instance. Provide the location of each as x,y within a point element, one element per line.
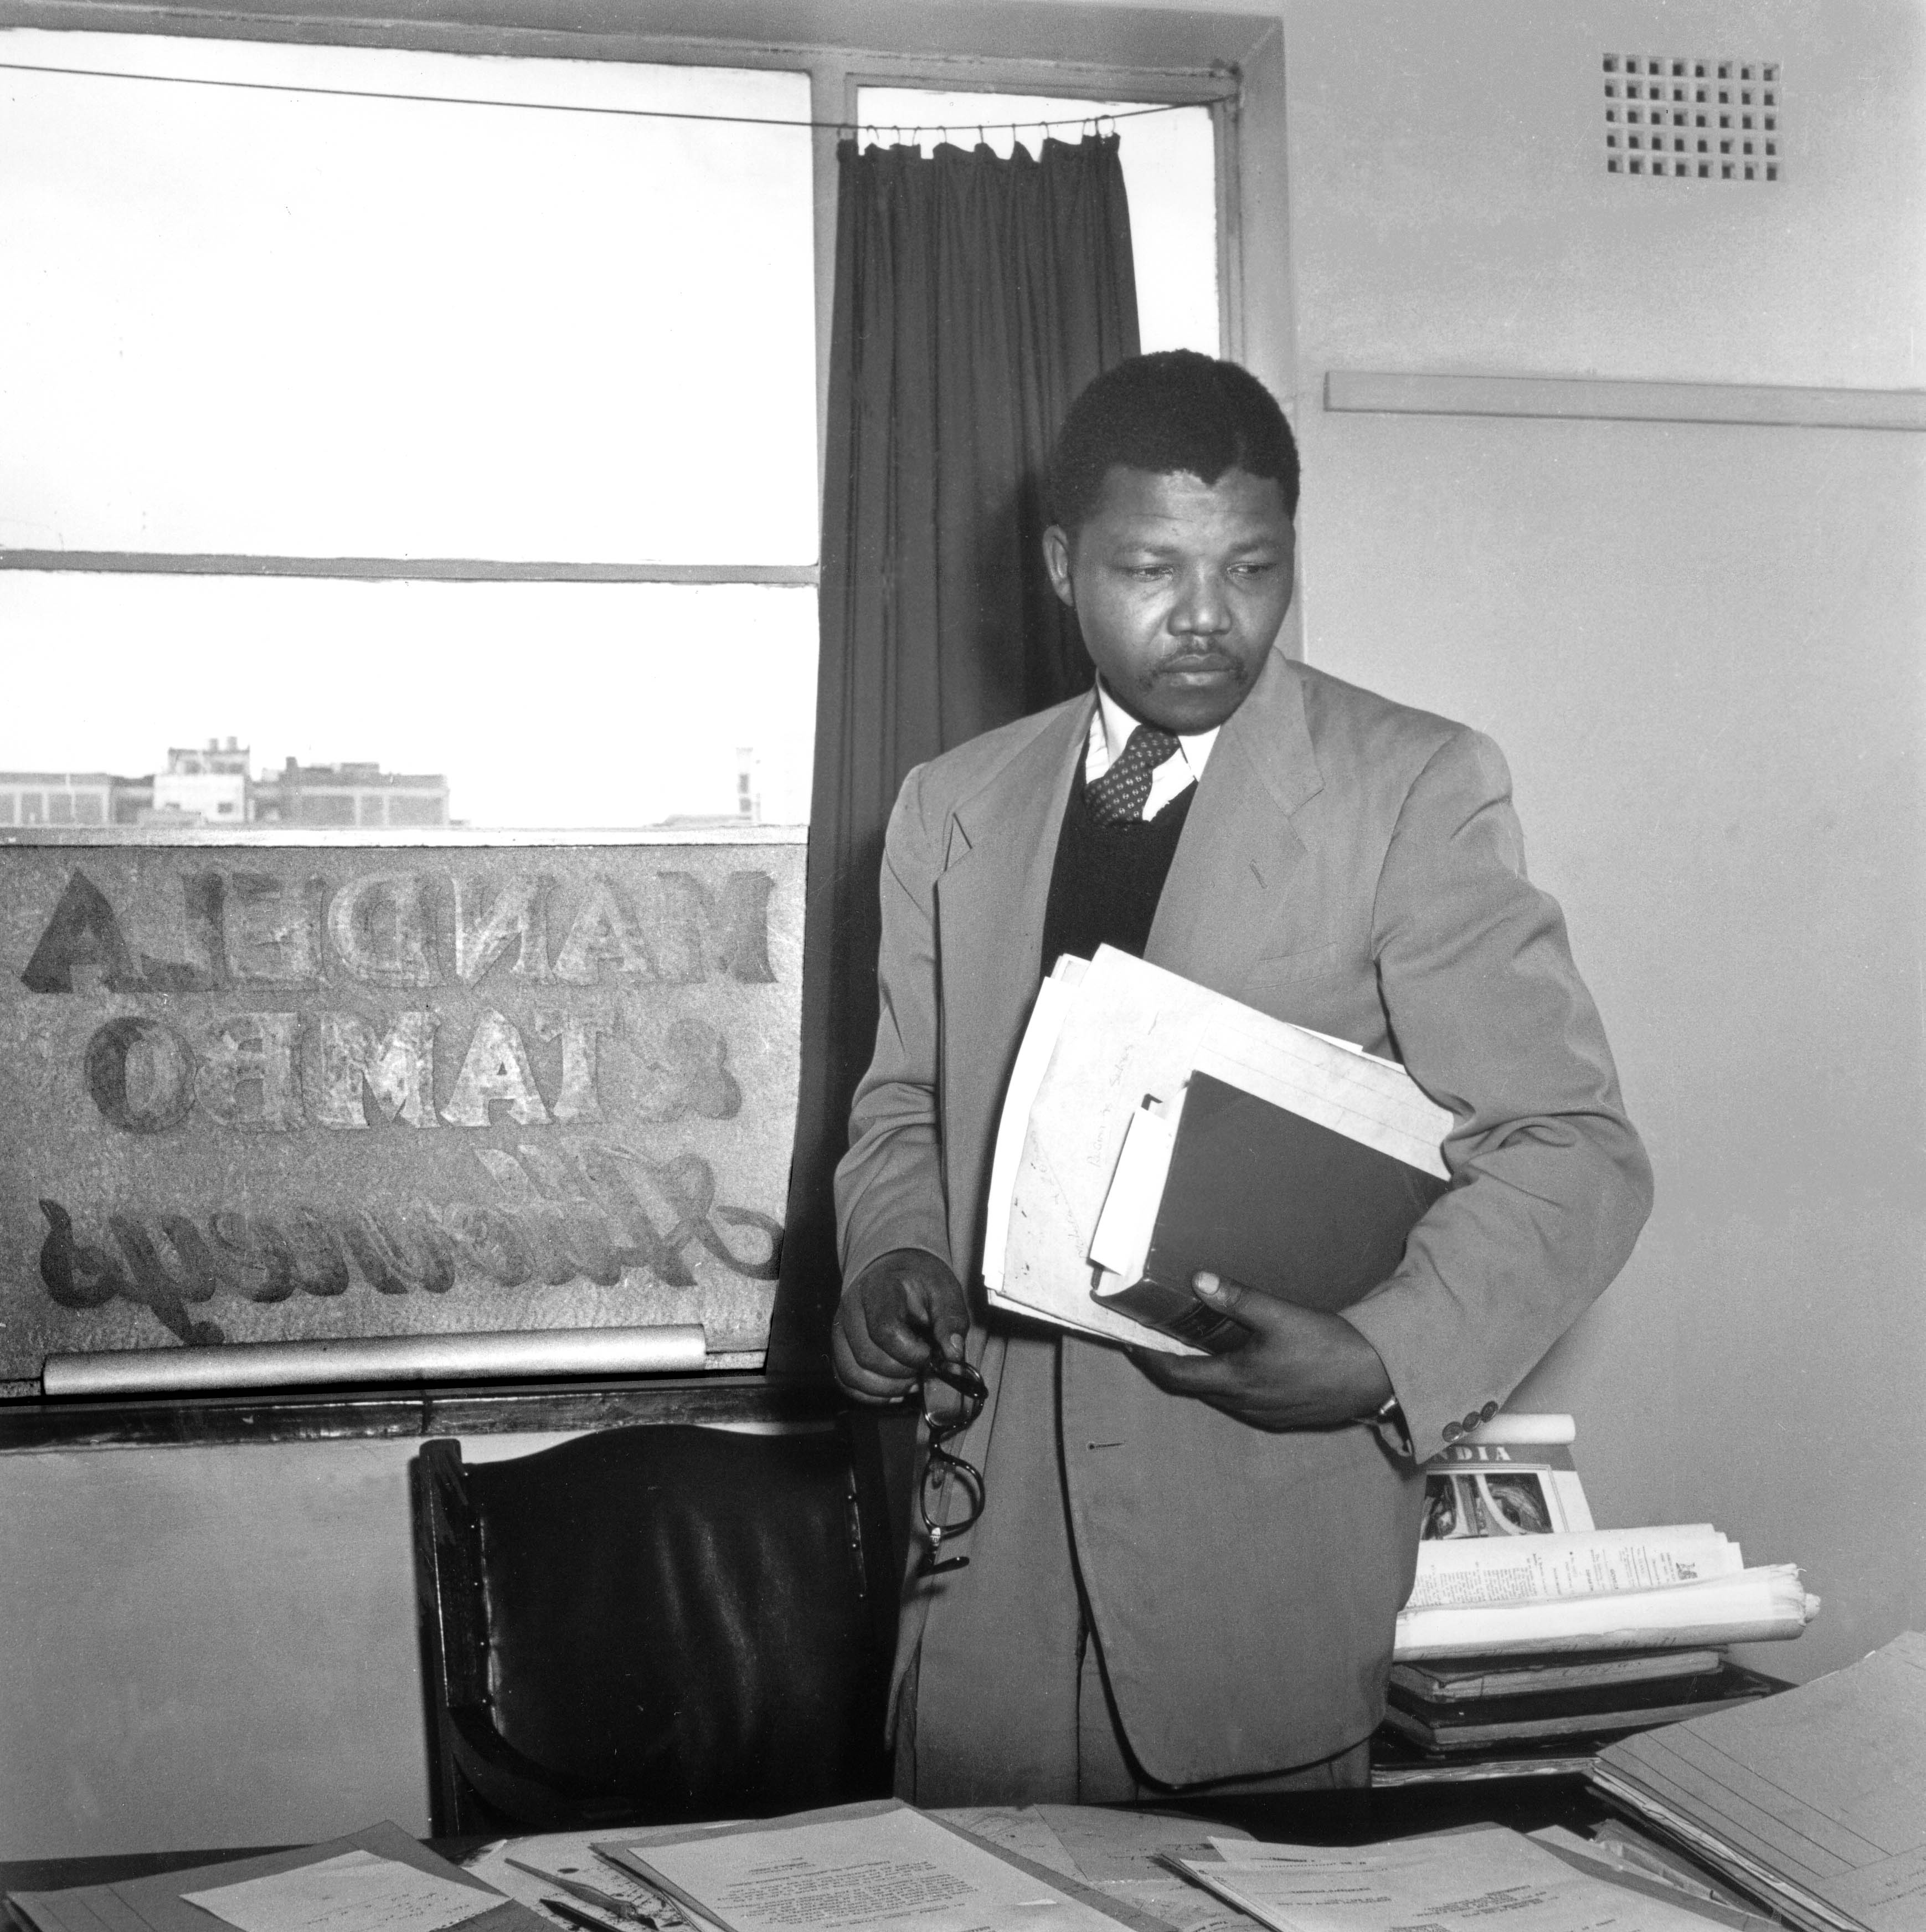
<point>1179,587</point>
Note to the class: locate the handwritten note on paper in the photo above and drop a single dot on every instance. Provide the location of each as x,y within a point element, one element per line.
<point>356,1892</point>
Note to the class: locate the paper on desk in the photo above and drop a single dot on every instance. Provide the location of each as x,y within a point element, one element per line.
<point>1175,1902</point>
<point>1013,1828</point>
<point>1113,1852</point>
<point>354,1892</point>
<point>1827,1787</point>
<point>1588,1855</point>
<point>1116,1852</point>
<point>1106,1846</point>
<point>570,1855</point>
<point>1450,1881</point>
<point>861,1865</point>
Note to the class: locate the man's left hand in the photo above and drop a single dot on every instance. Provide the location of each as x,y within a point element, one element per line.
<point>1301,1368</point>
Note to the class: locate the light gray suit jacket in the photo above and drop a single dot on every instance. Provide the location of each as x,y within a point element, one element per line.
<point>1352,865</point>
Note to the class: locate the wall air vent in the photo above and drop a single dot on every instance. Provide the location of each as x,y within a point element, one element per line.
<point>1673,117</point>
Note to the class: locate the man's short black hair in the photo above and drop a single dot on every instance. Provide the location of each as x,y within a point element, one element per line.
<point>1175,411</point>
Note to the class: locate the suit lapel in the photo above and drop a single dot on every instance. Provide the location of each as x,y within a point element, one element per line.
<point>995,884</point>
<point>1228,886</point>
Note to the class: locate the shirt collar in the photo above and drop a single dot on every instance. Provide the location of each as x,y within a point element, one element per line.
<point>1117,725</point>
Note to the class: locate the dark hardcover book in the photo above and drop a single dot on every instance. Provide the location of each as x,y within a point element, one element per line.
<point>1459,1679</point>
<point>1599,1711</point>
<point>1268,1198</point>
<point>1397,1760</point>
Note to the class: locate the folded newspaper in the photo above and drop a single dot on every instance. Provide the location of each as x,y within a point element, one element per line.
<point>1754,1606</point>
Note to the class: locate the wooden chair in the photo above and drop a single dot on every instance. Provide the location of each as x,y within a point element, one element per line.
<point>651,1625</point>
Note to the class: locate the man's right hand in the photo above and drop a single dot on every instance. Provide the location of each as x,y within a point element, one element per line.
<point>904,1310</point>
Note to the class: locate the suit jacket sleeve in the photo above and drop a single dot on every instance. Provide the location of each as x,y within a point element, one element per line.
<point>1549,1183</point>
<point>889,1186</point>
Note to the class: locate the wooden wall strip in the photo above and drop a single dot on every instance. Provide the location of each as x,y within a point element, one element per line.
<point>1384,392</point>
<point>445,569</point>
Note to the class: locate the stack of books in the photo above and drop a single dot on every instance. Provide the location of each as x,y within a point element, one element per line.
<point>1530,1629</point>
<point>1535,1578</point>
<point>1504,1702</point>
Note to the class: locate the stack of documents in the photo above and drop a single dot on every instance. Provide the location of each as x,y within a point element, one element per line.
<point>1527,1623</point>
<point>1452,1882</point>
<point>1112,1855</point>
<point>1814,1800</point>
<point>864,1865</point>
<point>1667,1586</point>
<point>1153,1127</point>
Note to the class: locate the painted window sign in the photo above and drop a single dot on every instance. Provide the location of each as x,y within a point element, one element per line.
<point>293,1093</point>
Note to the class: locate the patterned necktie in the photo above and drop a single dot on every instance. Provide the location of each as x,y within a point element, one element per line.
<point>1118,796</point>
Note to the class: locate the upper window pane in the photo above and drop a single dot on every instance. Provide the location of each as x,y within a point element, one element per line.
<point>246,319</point>
<point>1169,164</point>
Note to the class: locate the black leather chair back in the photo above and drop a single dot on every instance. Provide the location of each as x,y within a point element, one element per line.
<point>651,1625</point>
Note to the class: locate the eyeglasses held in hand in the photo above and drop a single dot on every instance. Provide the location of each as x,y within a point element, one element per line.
<point>934,1493</point>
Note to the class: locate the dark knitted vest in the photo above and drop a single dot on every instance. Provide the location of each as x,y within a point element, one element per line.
<point>1108,878</point>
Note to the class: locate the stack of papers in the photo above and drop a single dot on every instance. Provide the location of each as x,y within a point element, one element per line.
<point>860,1866</point>
<point>1814,1800</point>
<point>1452,1882</point>
<point>1665,1586</point>
<point>1756,1605</point>
<point>1112,1855</point>
<point>1111,1046</point>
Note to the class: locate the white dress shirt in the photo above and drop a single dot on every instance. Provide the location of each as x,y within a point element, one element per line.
<point>1109,732</point>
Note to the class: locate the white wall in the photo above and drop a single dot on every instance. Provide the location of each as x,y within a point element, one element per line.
<point>1701,649</point>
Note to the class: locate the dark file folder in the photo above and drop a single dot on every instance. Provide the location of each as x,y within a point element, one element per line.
<point>1265,1197</point>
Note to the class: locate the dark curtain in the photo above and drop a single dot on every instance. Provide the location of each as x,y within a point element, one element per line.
<point>974,297</point>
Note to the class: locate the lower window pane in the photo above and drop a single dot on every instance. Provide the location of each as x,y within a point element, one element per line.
<point>550,706</point>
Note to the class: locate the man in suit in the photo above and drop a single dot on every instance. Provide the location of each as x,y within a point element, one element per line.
<point>1186,1570</point>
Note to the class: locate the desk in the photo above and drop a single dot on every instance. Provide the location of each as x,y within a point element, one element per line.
<point>1313,1818</point>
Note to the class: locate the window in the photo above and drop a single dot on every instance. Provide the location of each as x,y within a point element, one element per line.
<point>538,334</point>
<point>532,532</point>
